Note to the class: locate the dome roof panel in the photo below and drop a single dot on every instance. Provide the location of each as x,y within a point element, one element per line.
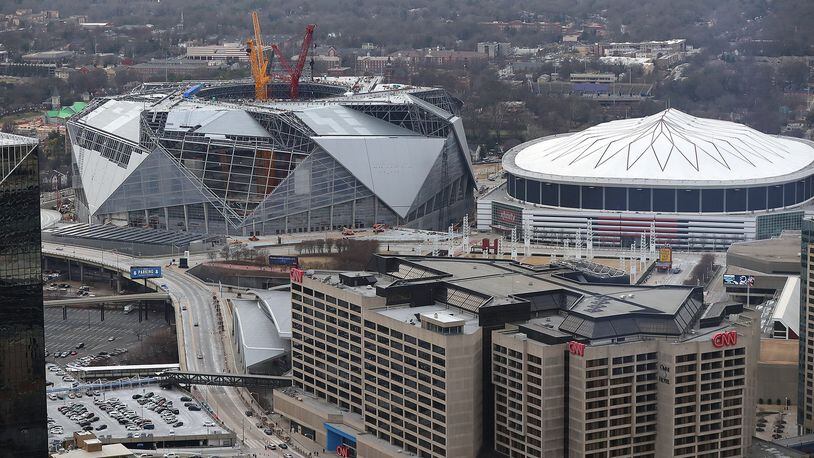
<point>667,146</point>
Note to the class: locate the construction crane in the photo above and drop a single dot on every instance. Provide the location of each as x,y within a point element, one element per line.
<point>295,72</point>
<point>258,61</point>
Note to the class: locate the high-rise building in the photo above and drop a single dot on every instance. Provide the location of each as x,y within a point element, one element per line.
<point>450,357</point>
<point>22,335</point>
<point>805,388</point>
<point>684,397</point>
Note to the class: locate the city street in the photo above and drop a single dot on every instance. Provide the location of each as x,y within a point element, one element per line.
<point>198,340</point>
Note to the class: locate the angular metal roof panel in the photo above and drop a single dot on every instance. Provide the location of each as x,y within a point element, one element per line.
<point>220,122</point>
<point>13,140</point>
<point>118,117</point>
<point>383,164</point>
<point>259,339</point>
<point>440,112</point>
<point>340,120</point>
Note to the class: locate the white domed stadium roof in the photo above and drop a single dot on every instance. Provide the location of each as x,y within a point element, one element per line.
<point>666,148</point>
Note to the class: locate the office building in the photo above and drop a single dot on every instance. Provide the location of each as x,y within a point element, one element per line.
<point>450,357</point>
<point>225,52</point>
<point>494,49</point>
<point>22,335</point>
<point>805,388</point>
<point>650,49</point>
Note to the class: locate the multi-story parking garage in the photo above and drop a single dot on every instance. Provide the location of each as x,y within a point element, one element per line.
<point>208,158</point>
<point>700,182</point>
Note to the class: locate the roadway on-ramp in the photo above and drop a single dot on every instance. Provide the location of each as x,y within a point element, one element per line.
<point>203,340</point>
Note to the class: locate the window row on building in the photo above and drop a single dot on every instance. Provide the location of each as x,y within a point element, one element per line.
<point>644,199</point>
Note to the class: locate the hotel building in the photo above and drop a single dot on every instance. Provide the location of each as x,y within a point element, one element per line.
<point>441,357</point>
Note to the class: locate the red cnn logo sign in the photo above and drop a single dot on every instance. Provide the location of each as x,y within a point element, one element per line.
<point>343,451</point>
<point>296,275</point>
<point>576,348</point>
<point>725,339</point>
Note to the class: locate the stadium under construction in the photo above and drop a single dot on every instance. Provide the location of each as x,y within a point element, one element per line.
<point>208,158</point>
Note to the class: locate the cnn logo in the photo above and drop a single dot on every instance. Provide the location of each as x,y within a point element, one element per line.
<point>725,339</point>
<point>296,275</point>
<point>576,348</point>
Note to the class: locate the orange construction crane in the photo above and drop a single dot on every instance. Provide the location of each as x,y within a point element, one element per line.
<point>258,61</point>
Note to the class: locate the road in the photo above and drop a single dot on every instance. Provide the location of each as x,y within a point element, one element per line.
<point>202,340</point>
<point>49,217</point>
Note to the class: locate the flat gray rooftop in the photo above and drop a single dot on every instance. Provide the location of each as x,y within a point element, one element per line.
<point>127,234</point>
<point>501,280</point>
<point>602,309</point>
<point>768,256</point>
<point>590,309</point>
<point>407,314</point>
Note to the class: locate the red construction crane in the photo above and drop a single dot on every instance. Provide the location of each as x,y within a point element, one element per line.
<point>295,72</point>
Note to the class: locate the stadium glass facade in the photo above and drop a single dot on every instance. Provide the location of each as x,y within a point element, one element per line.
<point>227,166</point>
<point>22,347</point>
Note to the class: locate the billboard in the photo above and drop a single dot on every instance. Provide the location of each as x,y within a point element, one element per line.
<point>506,216</point>
<point>137,273</point>
<point>284,261</point>
<point>665,259</point>
<point>739,280</point>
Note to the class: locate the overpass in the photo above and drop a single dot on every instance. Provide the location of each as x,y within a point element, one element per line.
<point>84,300</point>
<point>197,297</point>
<point>221,379</point>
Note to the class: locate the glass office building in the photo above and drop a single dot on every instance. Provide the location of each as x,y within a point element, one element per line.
<point>22,336</point>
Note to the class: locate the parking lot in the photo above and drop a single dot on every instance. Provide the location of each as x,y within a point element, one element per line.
<point>119,330</point>
<point>123,416</point>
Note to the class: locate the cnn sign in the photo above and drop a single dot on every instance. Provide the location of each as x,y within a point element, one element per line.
<point>343,451</point>
<point>576,348</point>
<point>725,339</point>
<point>296,275</point>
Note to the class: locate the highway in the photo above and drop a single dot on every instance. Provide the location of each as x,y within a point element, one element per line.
<point>202,340</point>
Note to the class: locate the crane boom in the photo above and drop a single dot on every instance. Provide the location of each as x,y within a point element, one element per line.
<point>295,72</point>
<point>258,39</point>
<point>306,45</point>
<point>259,63</point>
